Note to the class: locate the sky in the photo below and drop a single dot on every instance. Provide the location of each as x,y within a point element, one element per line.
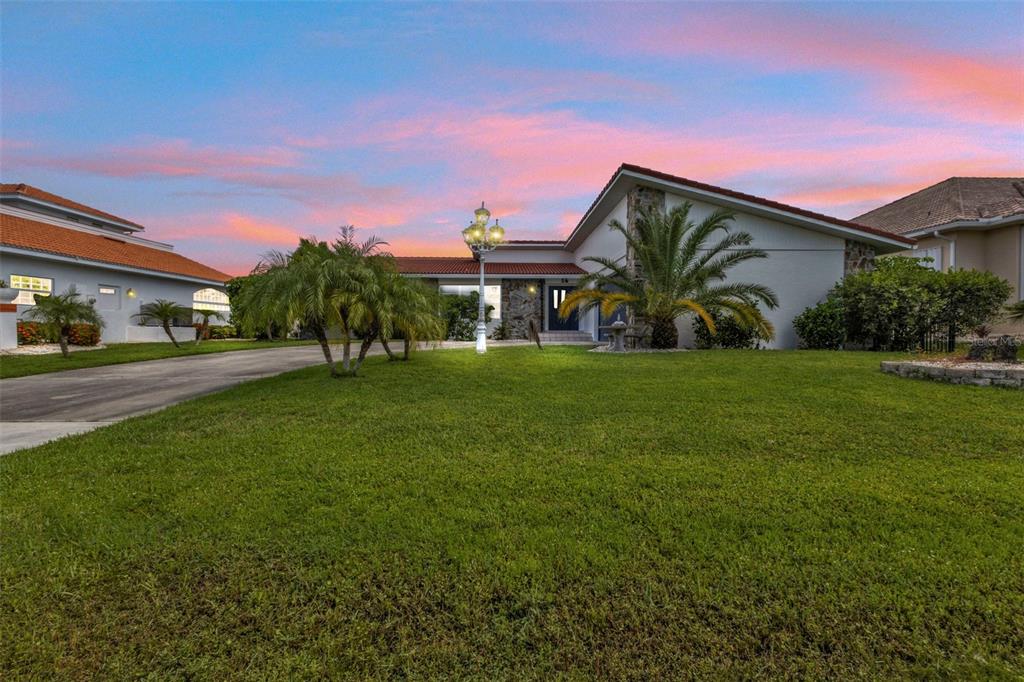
<point>230,129</point>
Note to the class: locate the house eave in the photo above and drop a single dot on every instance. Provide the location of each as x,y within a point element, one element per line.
<point>979,224</point>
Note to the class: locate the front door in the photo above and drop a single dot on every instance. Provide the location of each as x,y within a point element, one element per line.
<point>557,294</point>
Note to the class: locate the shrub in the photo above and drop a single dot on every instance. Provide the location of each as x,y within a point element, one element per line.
<point>822,327</point>
<point>502,332</point>
<point>222,331</point>
<point>33,334</point>
<point>894,306</point>
<point>729,333</point>
<point>460,313</point>
<point>84,335</point>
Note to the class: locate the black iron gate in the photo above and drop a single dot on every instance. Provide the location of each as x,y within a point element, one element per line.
<point>939,339</point>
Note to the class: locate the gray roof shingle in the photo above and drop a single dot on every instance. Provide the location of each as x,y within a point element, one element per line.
<point>952,200</point>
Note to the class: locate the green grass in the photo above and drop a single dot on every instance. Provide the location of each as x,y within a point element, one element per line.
<point>117,353</point>
<point>530,514</point>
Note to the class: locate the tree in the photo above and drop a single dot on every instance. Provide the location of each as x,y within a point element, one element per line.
<point>679,272</point>
<point>165,312</point>
<point>410,308</point>
<point>204,326</point>
<point>59,312</point>
<point>357,280</point>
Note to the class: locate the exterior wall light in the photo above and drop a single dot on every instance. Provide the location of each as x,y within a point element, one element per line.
<point>130,293</point>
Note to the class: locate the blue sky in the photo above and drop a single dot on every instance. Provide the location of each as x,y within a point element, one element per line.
<point>233,128</point>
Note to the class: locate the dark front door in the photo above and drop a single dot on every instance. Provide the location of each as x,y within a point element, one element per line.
<point>557,294</point>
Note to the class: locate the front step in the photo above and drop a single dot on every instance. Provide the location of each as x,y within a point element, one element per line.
<point>565,337</point>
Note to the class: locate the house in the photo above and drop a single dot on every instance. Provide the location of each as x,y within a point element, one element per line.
<point>807,254</point>
<point>969,223</point>
<point>48,243</point>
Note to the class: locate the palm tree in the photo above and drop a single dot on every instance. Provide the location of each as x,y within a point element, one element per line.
<point>411,308</point>
<point>59,312</point>
<point>165,312</point>
<point>1015,311</point>
<point>356,267</point>
<point>678,272</point>
<point>204,326</point>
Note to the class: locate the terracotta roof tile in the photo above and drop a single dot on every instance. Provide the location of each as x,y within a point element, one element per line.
<point>950,201</point>
<point>432,265</point>
<point>37,236</point>
<point>41,195</point>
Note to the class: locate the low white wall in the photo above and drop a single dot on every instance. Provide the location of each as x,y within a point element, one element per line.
<point>137,334</point>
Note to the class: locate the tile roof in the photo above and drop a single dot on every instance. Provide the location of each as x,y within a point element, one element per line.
<point>63,241</point>
<point>950,201</point>
<point>432,265</point>
<point>41,195</point>
<point>675,179</point>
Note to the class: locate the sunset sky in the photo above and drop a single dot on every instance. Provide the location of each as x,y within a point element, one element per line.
<point>231,129</point>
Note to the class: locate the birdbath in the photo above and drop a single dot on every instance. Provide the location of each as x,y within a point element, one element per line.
<point>618,330</point>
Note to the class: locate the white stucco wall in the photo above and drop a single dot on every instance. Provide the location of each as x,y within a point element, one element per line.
<point>120,326</point>
<point>524,255</point>
<point>603,242</point>
<point>802,265</point>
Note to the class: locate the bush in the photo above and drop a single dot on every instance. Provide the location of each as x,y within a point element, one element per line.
<point>894,306</point>
<point>729,333</point>
<point>222,331</point>
<point>460,313</point>
<point>84,335</point>
<point>822,327</point>
<point>33,334</point>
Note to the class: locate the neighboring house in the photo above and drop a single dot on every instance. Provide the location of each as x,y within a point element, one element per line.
<point>48,243</point>
<point>970,223</point>
<point>807,254</point>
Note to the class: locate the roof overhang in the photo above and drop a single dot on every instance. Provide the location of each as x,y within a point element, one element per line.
<point>46,255</point>
<point>979,225</point>
<point>626,178</point>
<point>60,208</point>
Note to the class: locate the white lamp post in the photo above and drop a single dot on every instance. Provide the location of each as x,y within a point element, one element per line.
<point>481,239</point>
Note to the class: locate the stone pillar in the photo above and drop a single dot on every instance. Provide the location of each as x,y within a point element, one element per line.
<point>638,200</point>
<point>858,257</point>
<point>521,301</point>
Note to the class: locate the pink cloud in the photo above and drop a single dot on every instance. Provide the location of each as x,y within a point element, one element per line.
<point>902,68</point>
<point>227,226</point>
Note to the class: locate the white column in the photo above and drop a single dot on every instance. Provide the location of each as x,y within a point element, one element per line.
<point>481,325</point>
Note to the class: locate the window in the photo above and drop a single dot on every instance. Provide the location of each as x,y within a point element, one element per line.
<point>109,298</point>
<point>30,286</point>
<point>492,294</point>
<point>211,299</point>
<point>936,257</point>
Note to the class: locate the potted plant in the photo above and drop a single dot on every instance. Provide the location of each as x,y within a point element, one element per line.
<point>6,293</point>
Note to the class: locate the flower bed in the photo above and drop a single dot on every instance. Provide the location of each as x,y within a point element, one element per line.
<point>1010,375</point>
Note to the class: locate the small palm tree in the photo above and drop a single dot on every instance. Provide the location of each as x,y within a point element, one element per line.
<point>678,272</point>
<point>411,309</point>
<point>204,325</point>
<point>1015,311</point>
<point>165,312</point>
<point>59,312</point>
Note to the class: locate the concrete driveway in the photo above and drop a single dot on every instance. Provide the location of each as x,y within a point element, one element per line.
<point>37,409</point>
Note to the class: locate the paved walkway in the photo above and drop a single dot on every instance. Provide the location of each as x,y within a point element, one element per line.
<point>40,408</point>
<point>37,409</point>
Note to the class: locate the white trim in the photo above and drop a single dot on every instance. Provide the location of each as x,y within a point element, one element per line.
<point>43,255</point>
<point>747,206</point>
<point>980,224</point>
<point>65,209</point>
<point>489,275</point>
<point>89,229</point>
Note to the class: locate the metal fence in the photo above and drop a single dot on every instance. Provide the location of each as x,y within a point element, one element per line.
<point>939,339</point>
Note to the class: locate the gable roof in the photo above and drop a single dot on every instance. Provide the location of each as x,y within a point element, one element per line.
<point>34,235</point>
<point>952,200</point>
<point>435,265</point>
<point>628,171</point>
<point>41,195</point>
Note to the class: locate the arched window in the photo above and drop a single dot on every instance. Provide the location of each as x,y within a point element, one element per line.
<point>210,299</point>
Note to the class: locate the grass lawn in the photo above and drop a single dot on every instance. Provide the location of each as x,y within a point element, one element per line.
<point>117,353</point>
<point>529,514</point>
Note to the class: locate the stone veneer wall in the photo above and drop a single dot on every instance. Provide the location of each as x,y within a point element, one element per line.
<point>519,305</point>
<point>859,257</point>
<point>639,199</point>
<point>1010,376</point>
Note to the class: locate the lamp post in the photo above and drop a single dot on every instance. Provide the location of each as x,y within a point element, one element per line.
<point>480,239</point>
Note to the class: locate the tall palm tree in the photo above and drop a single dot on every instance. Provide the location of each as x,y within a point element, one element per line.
<point>165,312</point>
<point>678,272</point>
<point>204,325</point>
<point>59,312</point>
